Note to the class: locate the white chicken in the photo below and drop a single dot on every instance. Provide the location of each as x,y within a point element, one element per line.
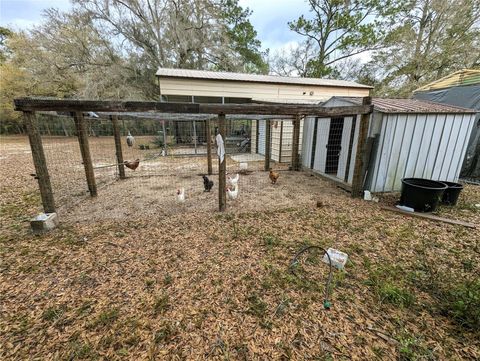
<point>232,194</point>
<point>181,195</point>
<point>130,139</point>
<point>233,181</point>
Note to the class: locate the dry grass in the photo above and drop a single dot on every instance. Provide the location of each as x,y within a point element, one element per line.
<point>130,275</point>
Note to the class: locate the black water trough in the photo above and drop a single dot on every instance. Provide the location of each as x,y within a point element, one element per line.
<point>451,194</point>
<point>423,195</point>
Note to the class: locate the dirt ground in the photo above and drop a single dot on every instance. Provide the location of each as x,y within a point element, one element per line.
<point>133,275</point>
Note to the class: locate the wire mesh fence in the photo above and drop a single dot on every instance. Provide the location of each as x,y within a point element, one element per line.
<point>171,155</point>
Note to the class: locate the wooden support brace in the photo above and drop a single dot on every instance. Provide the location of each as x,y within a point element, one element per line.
<point>85,150</point>
<point>268,143</point>
<point>222,168</point>
<point>39,161</point>
<point>209,146</point>
<point>295,143</point>
<point>360,157</point>
<point>118,146</point>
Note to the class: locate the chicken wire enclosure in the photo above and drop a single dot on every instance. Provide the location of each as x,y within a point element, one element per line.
<point>158,152</point>
<point>172,153</point>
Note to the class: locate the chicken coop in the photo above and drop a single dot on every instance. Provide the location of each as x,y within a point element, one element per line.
<point>85,154</point>
<point>405,138</point>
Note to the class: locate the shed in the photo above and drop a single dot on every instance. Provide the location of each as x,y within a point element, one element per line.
<point>461,88</point>
<point>406,138</point>
<point>200,86</point>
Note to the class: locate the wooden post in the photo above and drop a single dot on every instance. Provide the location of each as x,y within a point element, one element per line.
<point>222,167</point>
<point>268,143</point>
<point>281,143</point>
<point>164,130</point>
<point>39,161</point>
<point>295,143</point>
<point>118,146</point>
<point>209,146</point>
<point>195,136</point>
<point>357,180</point>
<point>85,150</point>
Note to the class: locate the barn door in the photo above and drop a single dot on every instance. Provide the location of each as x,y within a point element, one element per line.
<point>334,145</point>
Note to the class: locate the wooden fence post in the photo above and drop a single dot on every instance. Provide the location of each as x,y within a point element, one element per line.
<point>209,146</point>
<point>268,143</point>
<point>357,180</point>
<point>295,143</point>
<point>222,167</point>
<point>39,161</point>
<point>118,146</point>
<point>85,150</point>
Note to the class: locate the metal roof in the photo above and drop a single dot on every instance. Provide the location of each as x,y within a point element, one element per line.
<point>409,106</point>
<point>459,78</point>
<point>241,77</point>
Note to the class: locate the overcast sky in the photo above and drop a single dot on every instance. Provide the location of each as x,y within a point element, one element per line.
<point>269,18</point>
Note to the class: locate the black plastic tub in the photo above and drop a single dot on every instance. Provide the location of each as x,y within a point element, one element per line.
<point>423,195</point>
<point>451,194</point>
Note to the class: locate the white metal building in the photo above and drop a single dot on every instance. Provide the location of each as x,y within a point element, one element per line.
<point>200,86</point>
<point>406,138</point>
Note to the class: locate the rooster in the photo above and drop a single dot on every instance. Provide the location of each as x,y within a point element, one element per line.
<point>132,165</point>
<point>207,183</point>
<point>181,195</point>
<point>232,194</point>
<point>130,139</point>
<point>233,181</point>
<point>273,176</point>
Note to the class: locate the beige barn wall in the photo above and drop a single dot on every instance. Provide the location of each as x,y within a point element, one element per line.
<point>265,91</point>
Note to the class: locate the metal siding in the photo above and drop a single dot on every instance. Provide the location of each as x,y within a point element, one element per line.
<point>405,149</point>
<point>444,154</point>
<point>424,145</point>
<point>378,157</point>
<point>321,146</point>
<point>462,128</point>
<point>464,146</point>
<point>342,162</point>
<point>415,145</point>
<point>354,150</point>
<point>307,141</point>
<point>390,121</point>
<point>432,152</point>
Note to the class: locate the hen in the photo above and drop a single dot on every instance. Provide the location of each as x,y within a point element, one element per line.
<point>132,165</point>
<point>207,183</point>
<point>273,176</point>
<point>130,139</point>
<point>233,181</point>
<point>181,195</point>
<point>232,194</point>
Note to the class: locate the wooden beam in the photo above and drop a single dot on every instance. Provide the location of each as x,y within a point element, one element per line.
<point>295,143</point>
<point>268,143</point>
<point>222,167</point>
<point>85,150</point>
<point>32,104</point>
<point>358,174</point>
<point>118,146</point>
<point>209,146</point>
<point>430,217</point>
<point>281,143</point>
<point>39,161</point>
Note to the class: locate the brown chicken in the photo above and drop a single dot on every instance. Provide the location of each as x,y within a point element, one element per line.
<point>273,176</point>
<point>132,165</point>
